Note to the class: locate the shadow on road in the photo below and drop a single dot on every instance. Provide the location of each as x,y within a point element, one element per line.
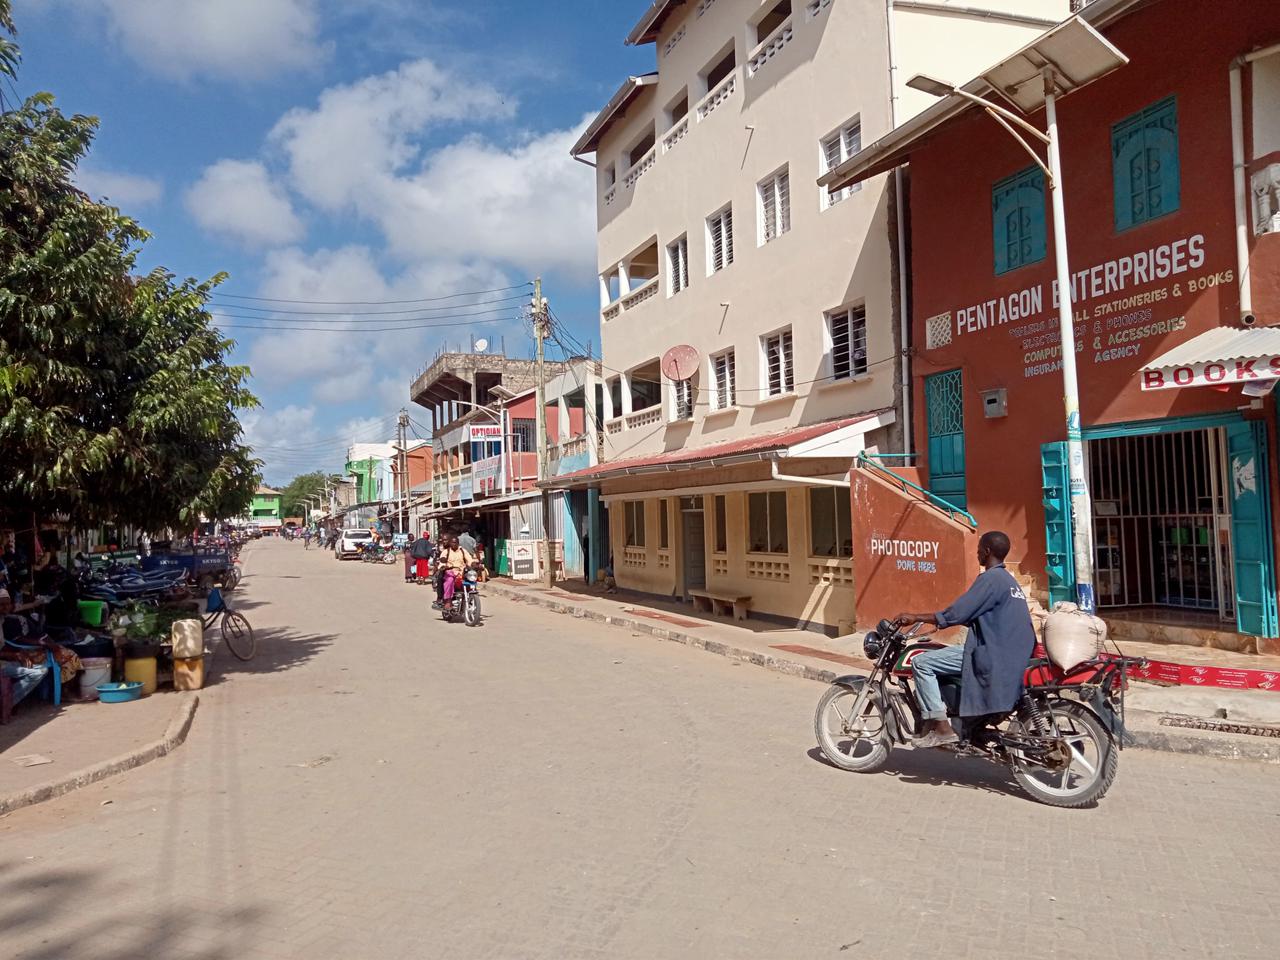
<point>278,649</point>
<point>937,768</point>
<point>35,905</point>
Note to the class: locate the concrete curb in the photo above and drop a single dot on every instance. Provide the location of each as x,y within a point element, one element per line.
<point>1167,739</point>
<point>174,735</point>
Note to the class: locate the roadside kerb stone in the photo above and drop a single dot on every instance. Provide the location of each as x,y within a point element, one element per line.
<point>1147,734</point>
<point>173,737</point>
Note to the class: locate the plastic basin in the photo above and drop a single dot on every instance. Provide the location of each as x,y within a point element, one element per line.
<point>119,692</point>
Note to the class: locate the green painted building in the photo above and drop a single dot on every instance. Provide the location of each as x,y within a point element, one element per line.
<point>366,474</point>
<point>266,509</point>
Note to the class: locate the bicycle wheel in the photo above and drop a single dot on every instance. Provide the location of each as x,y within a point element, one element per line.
<point>231,580</point>
<point>238,635</point>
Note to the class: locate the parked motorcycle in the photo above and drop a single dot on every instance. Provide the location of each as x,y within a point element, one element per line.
<point>1061,741</point>
<point>374,552</point>
<point>465,605</point>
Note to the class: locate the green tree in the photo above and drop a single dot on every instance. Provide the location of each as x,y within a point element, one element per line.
<point>299,488</point>
<point>117,403</point>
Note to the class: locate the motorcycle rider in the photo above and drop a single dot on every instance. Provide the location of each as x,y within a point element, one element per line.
<point>993,659</point>
<point>455,560</point>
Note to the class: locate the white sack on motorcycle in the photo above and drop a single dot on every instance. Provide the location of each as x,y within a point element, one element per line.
<point>1072,636</point>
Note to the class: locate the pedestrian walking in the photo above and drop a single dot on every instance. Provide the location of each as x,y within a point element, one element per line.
<point>306,539</point>
<point>421,551</point>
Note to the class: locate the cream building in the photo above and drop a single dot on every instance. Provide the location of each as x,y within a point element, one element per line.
<point>723,472</point>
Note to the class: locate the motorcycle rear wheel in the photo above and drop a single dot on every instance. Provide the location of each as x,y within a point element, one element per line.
<point>858,744</point>
<point>1094,760</point>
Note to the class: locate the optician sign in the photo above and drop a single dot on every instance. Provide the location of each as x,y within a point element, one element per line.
<point>1213,373</point>
<point>485,431</point>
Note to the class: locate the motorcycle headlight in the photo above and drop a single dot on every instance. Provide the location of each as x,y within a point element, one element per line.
<point>872,646</point>
<point>471,576</point>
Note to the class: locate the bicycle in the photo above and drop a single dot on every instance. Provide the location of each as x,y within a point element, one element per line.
<point>236,632</point>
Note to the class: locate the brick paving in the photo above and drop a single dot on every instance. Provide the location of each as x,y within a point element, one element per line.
<point>379,784</point>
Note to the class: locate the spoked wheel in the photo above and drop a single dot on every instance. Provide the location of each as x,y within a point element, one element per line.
<point>1083,774</point>
<point>238,635</point>
<point>231,580</point>
<point>859,743</point>
<point>471,610</point>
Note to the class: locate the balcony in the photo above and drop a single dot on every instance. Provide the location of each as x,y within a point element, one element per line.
<point>640,294</point>
<point>613,426</point>
<point>610,195</point>
<point>643,418</point>
<point>679,130</point>
<point>770,47</point>
<point>717,95</point>
<point>640,168</point>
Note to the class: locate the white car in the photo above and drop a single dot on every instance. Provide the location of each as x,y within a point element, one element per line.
<point>350,542</point>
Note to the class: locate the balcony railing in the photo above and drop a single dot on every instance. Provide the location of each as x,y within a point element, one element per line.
<point>610,195</point>
<point>640,168</point>
<point>613,426</point>
<point>574,446</point>
<point>612,310</point>
<point>678,131</point>
<point>642,418</point>
<point>717,95</point>
<point>640,294</point>
<point>770,47</point>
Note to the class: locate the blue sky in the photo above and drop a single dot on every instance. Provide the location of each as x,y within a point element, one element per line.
<point>346,150</point>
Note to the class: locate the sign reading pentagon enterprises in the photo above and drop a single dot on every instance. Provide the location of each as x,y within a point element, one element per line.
<point>1213,373</point>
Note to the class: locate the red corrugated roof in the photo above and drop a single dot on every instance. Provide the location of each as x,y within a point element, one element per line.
<point>763,443</point>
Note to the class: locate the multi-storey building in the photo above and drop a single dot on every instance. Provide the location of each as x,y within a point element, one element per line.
<point>723,468</point>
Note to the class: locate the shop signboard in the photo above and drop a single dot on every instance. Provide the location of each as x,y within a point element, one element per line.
<point>522,557</point>
<point>1213,373</point>
<point>485,431</point>
<point>466,488</point>
<point>488,476</point>
<point>439,491</point>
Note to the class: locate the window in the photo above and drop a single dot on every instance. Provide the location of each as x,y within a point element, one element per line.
<point>523,434</point>
<point>1144,164</point>
<point>719,240</point>
<point>1017,220</point>
<point>681,399</point>
<point>633,512</point>
<point>678,109</point>
<point>678,266</point>
<point>772,20</point>
<point>836,149</point>
<point>848,332</point>
<point>774,194</point>
<point>830,522</point>
<point>779,370</point>
<point>663,542</point>
<point>725,379</point>
<point>641,147</point>
<point>767,521</point>
<point>722,527</point>
<point>720,69</point>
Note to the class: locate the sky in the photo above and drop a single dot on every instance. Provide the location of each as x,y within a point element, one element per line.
<point>408,155</point>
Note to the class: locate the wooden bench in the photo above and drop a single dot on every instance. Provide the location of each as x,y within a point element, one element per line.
<point>718,603</point>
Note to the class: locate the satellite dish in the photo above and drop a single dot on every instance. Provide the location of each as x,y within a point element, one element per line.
<point>482,345</point>
<point>680,363</point>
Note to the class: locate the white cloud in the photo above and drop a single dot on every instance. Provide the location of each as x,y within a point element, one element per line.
<point>123,190</point>
<point>239,200</point>
<point>243,39</point>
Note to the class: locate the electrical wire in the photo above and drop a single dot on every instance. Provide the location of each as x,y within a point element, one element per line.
<point>427,313</point>
<point>376,303</point>
<point>358,329</point>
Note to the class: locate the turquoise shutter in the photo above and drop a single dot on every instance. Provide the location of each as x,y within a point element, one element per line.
<point>1059,557</point>
<point>1145,171</point>
<point>1252,555</point>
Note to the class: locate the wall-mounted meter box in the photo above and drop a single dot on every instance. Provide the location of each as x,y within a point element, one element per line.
<point>995,403</point>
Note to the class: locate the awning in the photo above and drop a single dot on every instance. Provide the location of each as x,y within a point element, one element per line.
<point>843,438</point>
<point>1227,356</point>
<point>484,504</point>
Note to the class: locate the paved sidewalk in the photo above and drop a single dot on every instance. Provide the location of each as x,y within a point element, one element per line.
<point>817,657</point>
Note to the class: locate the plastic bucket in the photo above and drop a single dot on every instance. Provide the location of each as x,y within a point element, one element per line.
<point>92,612</point>
<point>141,670</point>
<point>96,670</point>
<point>188,673</point>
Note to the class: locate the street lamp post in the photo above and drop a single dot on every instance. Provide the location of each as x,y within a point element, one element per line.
<point>1063,60</point>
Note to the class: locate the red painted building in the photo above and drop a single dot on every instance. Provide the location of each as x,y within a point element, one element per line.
<point>1183,479</point>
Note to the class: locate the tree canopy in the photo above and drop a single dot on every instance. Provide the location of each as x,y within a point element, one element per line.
<point>117,402</point>
<point>299,488</point>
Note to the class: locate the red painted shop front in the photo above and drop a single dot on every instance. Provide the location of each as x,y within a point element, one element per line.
<point>1164,465</point>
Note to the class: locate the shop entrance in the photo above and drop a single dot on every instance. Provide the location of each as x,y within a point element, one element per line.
<point>1162,521</point>
<point>694,539</point>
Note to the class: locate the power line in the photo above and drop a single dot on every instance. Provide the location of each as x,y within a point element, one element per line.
<point>377,303</point>
<point>270,312</point>
<point>360,329</point>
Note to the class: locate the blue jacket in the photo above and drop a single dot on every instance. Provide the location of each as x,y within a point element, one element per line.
<point>1000,642</point>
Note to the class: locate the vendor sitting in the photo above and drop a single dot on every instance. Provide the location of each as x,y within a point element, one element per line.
<point>26,645</point>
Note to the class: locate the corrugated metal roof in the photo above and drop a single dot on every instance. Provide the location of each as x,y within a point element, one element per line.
<point>1220,345</point>
<point>762,444</point>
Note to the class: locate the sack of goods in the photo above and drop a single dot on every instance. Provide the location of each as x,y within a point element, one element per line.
<point>1072,636</point>
<point>188,639</point>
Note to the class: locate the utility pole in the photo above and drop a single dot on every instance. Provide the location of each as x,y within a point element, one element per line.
<point>402,501</point>
<point>540,317</point>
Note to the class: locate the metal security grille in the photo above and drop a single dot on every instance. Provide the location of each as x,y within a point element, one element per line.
<point>848,343</point>
<point>946,405</point>
<point>1162,523</point>
<point>722,367</point>
<point>777,358</point>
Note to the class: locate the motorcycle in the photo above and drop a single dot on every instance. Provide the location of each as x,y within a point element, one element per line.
<point>377,553</point>
<point>465,605</point>
<point>1061,741</point>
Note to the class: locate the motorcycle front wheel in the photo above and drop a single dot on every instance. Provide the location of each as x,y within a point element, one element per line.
<point>471,610</point>
<point>1091,765</point>
<point>861,743</point>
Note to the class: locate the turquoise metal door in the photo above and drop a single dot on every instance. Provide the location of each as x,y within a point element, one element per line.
<point>944,411</point>
<point>1251,547</point>
<point>1059,555</point>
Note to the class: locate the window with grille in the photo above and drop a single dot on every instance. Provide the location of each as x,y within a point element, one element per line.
<point>774,195</point>
<point>633,511</point>
<point>779,370</point>
<point>767,522</point>
<point>725,394</point>
<point>1017,220</point>
<point>682,399</point>
<point>678,266</point>
<point>523,433</point>
<point>830,522</point>
<point>719,240</point>
<point>1144,164</point>
<point>722,529</point>
<point>836,149</point>
<point>848,332</point>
